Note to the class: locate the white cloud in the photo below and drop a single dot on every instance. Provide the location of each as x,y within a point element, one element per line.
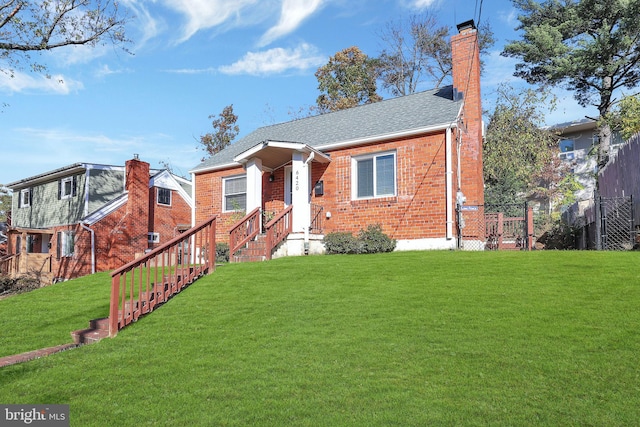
<point>510,18</point>
<point>293,13</point>
<point>105,70</point>
<point>204,14</point>
<point>22,82</point>
<point>209,70</point>
<point>422,4</point>
<point>498,69</point>
<point>146,24</point>
<point>58,147</point>
<point>277,60</point>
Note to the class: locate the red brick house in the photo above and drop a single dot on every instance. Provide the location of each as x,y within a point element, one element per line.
<point>86,218</point>
<point>402,163</point>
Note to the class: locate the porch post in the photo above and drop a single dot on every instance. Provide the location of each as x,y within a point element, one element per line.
<point>254,184</point>
<point>301,195</point>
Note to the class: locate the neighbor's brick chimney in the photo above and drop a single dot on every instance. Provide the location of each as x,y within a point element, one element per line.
<point>137,185</point>
<point>465,59</point>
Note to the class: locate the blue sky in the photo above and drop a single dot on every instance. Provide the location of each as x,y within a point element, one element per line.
<point>192,58</point>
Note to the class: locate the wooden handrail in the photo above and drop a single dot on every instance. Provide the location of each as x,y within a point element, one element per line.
<point>244,230</point>
<point>140,285</point>
<point>277,230</point>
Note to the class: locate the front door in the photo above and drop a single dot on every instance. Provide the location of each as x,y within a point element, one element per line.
<point>287,186</point>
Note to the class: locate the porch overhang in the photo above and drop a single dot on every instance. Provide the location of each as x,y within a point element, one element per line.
<point>275,154</point>
<point>20,230</point>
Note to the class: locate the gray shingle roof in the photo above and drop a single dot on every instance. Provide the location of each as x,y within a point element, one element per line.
<point>419,110</point>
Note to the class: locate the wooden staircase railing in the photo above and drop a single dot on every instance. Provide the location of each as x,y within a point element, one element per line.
<point>9,265</point>
<point>277,230</point>
<point>141,285</point>
<point>244,230</point>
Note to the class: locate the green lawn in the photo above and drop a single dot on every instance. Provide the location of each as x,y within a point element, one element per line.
<point>406,339</point>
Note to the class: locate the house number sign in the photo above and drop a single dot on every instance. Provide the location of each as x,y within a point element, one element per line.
<point>297,180</point>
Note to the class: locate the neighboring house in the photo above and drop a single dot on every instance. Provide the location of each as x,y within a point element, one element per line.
<point>578,141</point>
<point>401,163</point>
<point>85,218</point>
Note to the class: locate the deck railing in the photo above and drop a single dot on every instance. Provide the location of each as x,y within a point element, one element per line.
<point>244,230</point>
<point>9,265</point>
<point>141,285</point>
<point>277,230</point>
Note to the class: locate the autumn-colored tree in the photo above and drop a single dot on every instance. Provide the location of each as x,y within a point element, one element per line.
<point>418,50</point>
<point>225,130</point>
<point>521,157</point>
<point>36,26</point>
<point>347,80</point>
<point>591,47</point>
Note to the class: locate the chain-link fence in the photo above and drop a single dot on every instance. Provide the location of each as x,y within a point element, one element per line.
<point>617,230</point>
<point>494,227</point>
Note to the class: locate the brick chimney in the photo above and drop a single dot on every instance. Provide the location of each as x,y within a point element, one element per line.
<point>137,185</point>
<point>465,59</point>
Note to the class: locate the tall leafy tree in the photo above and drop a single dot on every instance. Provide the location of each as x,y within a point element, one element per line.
<point>520,157</point>
<point>625,116</point>
<point>591,47</point>
<point>419,50</point>
<point>35,26</point>
<point>225,131</point>
<point>347,80</point>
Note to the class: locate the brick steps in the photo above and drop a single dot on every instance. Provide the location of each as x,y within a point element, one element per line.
<point>254,251</point>
<point>97,330</point>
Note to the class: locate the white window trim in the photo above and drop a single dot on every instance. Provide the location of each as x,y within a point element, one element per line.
<point>354,175</point>
<point>62,188</point>
<point>224,194</point>
<point>27,192</point>
<point>158,196</point>
<point>153,237</point>
<point>67,243</point>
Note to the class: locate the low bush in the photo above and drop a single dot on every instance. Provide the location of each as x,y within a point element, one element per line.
<point>222,252</point>
<point>369,241</point>
<point>9,286</point>
<point>341,243</point>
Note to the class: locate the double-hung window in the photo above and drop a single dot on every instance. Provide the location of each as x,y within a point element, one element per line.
<point>374,175</point>
<point>234,193</point>
<point>164,196</point>
<point>65,247</point>
<point>25,198</point>
<point>67,187</point>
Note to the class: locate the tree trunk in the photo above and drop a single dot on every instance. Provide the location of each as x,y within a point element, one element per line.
<point>604,133</point>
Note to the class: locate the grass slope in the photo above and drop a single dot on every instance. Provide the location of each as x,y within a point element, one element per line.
<point>424,338</point>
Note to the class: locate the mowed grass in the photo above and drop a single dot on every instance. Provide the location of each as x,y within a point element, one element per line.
<point>418,338</point>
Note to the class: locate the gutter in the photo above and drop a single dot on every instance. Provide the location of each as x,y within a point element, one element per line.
<point>93,247</point>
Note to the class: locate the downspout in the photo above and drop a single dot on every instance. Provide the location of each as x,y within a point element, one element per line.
<point>449,183</point>
<point>93,247</point>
